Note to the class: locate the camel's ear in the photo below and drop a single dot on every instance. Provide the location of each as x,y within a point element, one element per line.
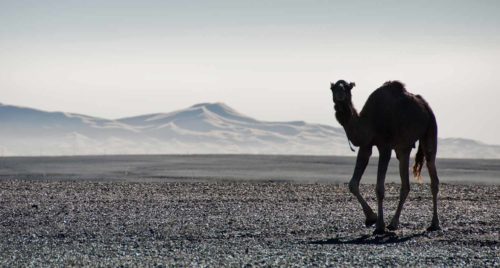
<point>331,85</point>
<point>351,85</point>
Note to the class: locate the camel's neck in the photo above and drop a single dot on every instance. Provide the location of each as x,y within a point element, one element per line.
<point>354,126</point>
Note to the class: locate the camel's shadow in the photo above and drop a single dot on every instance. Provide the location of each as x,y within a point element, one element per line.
<point>387,238</point>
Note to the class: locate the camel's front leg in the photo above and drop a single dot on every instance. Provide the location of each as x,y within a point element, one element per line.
<point>404,162</point>
<point>383,162</point>
<point>361,162</point>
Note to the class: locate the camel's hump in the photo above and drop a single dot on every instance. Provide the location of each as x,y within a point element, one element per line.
<point>388,92</point>
<point>394,84</point>
<point>392,87</point>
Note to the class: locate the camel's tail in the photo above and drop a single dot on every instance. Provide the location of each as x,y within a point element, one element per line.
<point>419,162</point>
<point>427,146</point>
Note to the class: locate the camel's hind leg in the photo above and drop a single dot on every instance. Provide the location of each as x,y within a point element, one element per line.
<point>361,163</point>
<point>404,162</point>
<point>430,150</point>
<point>431,165</point>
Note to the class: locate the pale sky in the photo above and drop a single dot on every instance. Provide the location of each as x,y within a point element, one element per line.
<point>272,60</point>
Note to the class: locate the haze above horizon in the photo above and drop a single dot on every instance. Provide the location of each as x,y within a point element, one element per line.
<point>271,60</point>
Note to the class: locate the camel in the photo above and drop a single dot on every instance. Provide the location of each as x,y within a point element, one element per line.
<point>392,119</point>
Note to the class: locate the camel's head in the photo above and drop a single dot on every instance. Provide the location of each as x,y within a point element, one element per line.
<point>341,91</point>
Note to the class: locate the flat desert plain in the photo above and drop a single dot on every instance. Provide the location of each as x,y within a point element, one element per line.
<point>237,211</point>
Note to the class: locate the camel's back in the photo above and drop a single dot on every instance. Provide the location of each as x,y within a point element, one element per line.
<point>387,99</point>
<point>392,110</point>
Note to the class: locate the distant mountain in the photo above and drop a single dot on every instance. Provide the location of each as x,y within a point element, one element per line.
<point>201,128</point>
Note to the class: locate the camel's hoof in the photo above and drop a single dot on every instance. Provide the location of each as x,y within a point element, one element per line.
<point>392,227</point>
<point>371,220</point>
<point>433,228</point>
<point>379,231</point>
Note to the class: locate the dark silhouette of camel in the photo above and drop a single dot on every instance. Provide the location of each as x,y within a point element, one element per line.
<point>392,119</point>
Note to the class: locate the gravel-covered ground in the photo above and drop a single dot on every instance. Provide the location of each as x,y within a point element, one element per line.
<point>237,223</point>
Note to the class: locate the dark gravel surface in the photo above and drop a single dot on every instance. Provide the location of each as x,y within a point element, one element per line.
<point>236,224</point>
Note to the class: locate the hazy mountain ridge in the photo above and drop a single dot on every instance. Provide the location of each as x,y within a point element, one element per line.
<point>201,128</point>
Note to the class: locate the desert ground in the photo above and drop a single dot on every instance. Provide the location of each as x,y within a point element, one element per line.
<point>276,211</point>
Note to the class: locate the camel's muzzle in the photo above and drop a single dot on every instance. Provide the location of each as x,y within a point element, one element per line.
<point>339,96</point>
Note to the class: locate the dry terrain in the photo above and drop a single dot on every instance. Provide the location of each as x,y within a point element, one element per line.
<point>65,223</point>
